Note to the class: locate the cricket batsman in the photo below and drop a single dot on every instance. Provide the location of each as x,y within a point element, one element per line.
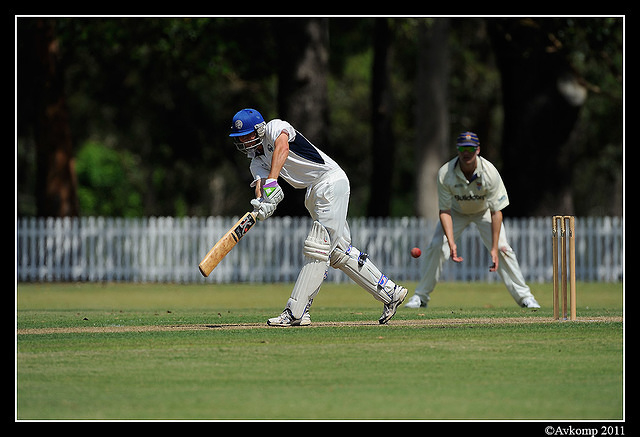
<point>470,190</point>
<point>276,151</point>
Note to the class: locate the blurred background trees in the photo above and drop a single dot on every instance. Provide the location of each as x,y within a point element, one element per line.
<point>130,116</point>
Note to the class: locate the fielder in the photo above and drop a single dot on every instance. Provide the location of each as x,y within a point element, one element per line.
<point>276,149</point>
<point>470,190</point>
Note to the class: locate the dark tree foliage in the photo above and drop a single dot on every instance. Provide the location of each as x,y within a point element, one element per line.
<point>147,102</point>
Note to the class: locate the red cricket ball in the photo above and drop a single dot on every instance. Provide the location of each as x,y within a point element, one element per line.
<point>415,252</point>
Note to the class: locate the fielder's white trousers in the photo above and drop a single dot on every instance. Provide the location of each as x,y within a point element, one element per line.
<point>438,250</point>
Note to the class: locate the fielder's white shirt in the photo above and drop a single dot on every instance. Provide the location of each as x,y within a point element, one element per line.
<point>304,166</point>
<point>484,191</point>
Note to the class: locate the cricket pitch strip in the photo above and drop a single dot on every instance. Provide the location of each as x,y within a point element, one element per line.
<point>218,326</point>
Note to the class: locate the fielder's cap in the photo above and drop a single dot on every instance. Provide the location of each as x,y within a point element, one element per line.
<point>468,139</point>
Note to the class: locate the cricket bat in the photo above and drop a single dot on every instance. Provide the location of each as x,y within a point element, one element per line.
<point>226,243</point>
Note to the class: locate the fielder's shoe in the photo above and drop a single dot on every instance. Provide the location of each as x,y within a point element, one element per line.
<point>287,319</point>
<point>389,310</point>
<point>415,302</point>
<point>530,302</point>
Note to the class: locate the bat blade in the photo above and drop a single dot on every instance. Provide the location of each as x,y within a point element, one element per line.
<point>226,243</point>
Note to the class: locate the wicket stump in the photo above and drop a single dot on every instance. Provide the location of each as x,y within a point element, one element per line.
<point>564,224</point>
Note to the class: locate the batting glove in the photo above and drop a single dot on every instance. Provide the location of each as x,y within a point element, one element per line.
<point>272,191</point>
<point>263,209</point>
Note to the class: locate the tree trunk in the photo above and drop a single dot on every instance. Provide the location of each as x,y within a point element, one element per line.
<point>56,185</point>
<point>432,113</point>
<point>541,102</point>
<point>302,88</point>
<point>383,146</point>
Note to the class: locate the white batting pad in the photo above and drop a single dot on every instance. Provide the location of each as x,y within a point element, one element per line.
<point>316,262</point>
<point>360,268</point>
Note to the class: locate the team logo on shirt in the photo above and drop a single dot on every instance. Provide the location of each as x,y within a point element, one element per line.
<point>468,197</point>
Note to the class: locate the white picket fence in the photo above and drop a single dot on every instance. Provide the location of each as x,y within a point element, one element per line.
<point>166,249</point>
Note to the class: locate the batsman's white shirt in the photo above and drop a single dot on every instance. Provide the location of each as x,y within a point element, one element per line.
<point>304,166</point>
<point>484,191</point>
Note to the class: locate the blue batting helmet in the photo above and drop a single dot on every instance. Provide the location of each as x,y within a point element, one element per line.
<point>245,122</point>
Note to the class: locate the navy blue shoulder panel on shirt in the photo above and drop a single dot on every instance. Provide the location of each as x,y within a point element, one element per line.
<point>304,149</point>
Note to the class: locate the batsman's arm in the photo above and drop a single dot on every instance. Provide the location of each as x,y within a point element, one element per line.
<point>280,154</point>
<point>258,188</point>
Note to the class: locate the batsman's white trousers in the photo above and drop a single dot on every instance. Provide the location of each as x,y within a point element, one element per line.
<point>328,202</point>
<point>438,251</point>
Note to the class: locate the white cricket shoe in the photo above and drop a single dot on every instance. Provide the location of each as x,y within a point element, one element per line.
<point>530,302</point>
<point>415,302</point>
<point>389,310</point>
<point>305,320</point>
<point>287,319</point>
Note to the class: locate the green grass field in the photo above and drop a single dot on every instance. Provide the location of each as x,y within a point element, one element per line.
<point>190,352</point>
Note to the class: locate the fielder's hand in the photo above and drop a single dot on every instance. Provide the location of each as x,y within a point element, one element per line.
<point>263,209</point>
